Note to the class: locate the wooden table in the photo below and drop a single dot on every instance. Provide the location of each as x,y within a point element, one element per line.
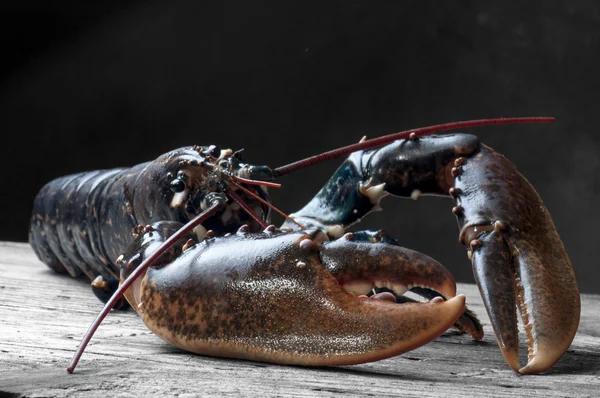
<point>43,316</point>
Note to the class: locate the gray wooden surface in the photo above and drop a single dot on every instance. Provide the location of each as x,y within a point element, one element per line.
<point>44,315</point>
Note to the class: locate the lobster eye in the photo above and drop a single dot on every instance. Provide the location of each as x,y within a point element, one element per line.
<point>177,185</point>
<point>214,151</point>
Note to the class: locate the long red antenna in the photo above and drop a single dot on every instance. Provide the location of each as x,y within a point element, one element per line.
<point>255,196</point>
<point>246,208</point>
<point>255,182</point>
<point>313,160</point>
<point>214,206</point>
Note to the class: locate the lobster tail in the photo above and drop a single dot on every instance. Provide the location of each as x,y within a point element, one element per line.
<point>66,227</point>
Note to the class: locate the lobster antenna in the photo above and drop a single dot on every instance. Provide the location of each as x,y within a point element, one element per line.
<point>247,209</point>
<point>255,182</point>
<point>255,196</point>
<point>414,133</point>
<point>244,180</point>
<point>214,206</point>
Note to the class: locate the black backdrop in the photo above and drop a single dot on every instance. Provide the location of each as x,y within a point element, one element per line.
<point>87,86</point>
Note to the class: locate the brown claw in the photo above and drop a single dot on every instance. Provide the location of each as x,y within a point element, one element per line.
<point>518,261</point>
<point>268,297</point>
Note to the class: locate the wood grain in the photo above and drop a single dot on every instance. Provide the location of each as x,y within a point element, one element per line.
<point>43,316</point>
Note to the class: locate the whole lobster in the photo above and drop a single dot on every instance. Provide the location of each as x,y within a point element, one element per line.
<point>229,284</point>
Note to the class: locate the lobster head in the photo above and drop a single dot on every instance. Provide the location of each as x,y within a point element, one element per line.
<point>191,177</point>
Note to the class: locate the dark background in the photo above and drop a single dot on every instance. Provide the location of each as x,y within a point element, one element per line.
<point>96,85</point>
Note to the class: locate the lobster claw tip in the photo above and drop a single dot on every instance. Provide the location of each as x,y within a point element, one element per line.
<point>413,325</point>
<point>511,356</point>
<point>540,363</point>
<point>552,331</point>
<point>546,355</point>
<point>541,284</point>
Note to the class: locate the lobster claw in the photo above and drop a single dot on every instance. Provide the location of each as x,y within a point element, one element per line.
<point>518,259</point>
<point>269,297</point>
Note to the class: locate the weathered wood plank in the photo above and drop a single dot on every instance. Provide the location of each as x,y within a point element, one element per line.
<point>43,316</point>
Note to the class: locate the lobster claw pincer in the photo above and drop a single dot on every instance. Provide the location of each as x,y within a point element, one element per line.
<point>518,259</point>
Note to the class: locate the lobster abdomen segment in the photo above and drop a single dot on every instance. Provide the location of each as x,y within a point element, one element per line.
<point>70,215</point>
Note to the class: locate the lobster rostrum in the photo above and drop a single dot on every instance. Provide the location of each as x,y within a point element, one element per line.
<point>227,283</point>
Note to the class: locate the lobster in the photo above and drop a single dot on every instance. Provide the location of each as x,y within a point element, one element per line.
<point>186,240</point>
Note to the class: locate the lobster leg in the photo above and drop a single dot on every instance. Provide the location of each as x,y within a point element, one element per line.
<point>518,257</point>
<point>103,289</point>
